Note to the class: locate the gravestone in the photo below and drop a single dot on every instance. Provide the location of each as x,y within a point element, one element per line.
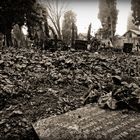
<point>90,123</point>
<point>80,45</point>
<point>127,48</point>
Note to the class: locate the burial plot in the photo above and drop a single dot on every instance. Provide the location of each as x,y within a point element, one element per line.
<point>90,123</point>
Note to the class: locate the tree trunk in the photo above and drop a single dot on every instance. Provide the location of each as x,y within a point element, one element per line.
<point>89,33</point>
<point>59,34</point>
<point>4,41</point>
<point>72,37</point>
<point>46,29</point>
<point>8,39</point>
<point>55,39</point>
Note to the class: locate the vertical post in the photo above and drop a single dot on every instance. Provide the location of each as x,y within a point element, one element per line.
<point>89,33</point>
<point>55,39</point>
<point>112,34</point>
<point>72,37</point>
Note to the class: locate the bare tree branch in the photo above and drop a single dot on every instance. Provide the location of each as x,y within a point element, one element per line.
<point>55,9</point>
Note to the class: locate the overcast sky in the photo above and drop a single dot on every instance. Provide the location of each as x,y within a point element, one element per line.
<point>87,12</point>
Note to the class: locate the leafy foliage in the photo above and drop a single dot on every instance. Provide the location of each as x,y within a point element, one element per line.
<point>68,22</point>
<point>65,77</point>
<point>130,23</point>
<point>16,12</point>
<point>136,11</point>
<point>108,16</point>
<point>40,84</point>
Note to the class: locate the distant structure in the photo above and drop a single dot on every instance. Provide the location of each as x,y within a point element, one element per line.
<point>132,36</point>
<point>82,36</point>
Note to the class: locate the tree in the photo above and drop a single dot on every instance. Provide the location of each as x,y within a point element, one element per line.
<point>135,7</point>
<point>108,16</point>
<point>14,12</point>
<point>72,34</point>
<point>89,33</point>
<point>39,30</point>
<point>18,38</point>
<point>39,24</point>
<point>55,9</point>
<point>130,23</point>
<point>69,28</point>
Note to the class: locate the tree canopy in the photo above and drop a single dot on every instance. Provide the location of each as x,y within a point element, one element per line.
<point>15,12</point>
<point>108,16</point>
<point>69,22</point>
<point>56,9</point>
<point>135,6</point>
<point>130,23</point>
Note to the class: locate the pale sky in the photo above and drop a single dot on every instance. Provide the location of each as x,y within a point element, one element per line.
<point>87,12</point>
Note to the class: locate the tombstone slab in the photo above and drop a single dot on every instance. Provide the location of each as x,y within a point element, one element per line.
<point>90,123</point>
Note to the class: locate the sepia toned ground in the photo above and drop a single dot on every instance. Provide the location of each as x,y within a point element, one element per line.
<point>37,84</point>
